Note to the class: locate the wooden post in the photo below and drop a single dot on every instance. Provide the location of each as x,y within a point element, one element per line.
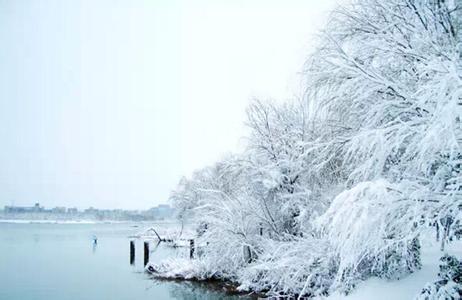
<point>132,252</point>
<point>191,249</point>
<point>146,252</point>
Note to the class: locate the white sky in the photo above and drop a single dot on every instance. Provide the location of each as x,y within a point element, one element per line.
<point>108,103</point>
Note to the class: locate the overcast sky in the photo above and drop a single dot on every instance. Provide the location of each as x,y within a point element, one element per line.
<point>108,103</point>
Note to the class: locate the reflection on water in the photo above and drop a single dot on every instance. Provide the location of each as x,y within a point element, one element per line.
<point>63,261</point>
<point>200,291</point>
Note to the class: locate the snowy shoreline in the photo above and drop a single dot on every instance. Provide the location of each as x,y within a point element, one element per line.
<point>408,287</point>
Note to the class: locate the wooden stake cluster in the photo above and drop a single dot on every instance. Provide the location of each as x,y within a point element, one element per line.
<point>192,248</point>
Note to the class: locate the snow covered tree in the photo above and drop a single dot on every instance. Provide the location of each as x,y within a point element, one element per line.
<point>386,77</point>
<point>281,179</point>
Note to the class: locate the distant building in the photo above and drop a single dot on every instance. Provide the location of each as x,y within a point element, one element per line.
<point>24,209</point>
<point>90,210</point>
<point>37,207</point>
<point>162,211</point>
<point>58,210</point>
<point>72,211</point>
<point>38,212</point>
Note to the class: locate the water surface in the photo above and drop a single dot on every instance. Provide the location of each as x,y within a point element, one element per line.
<point>60,261</point>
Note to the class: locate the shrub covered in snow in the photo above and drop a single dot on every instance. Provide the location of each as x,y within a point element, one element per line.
<point>179,268</point>
<point>449,285</point>
<point>299,267</point>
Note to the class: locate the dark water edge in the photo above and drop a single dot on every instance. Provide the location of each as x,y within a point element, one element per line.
<point>207,288</point>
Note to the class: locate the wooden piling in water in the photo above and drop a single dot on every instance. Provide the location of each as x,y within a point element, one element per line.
<point>132,252</point>
<point>146,252</point>
<point>191,249</point>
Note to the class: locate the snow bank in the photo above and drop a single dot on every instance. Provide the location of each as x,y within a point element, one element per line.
<point>408,287</point>
<point>179,268</point>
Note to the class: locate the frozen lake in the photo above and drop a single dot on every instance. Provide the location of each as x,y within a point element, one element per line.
<point>59,261</point>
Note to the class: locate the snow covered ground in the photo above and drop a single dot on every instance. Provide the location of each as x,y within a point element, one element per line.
<point>408,287</point>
